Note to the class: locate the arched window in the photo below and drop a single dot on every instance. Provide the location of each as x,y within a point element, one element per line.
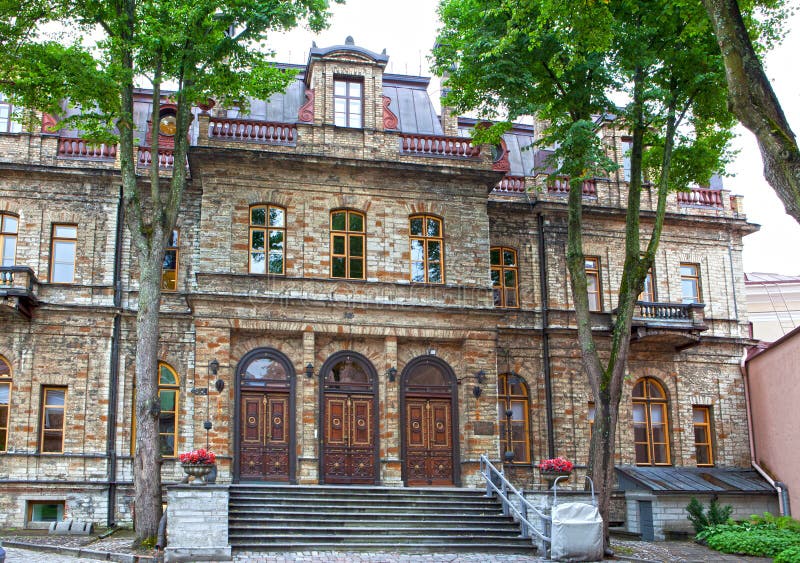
<point>5,401</point>
<point>427,249</point>
<point>348,244</point>
<point>650,423</point>
<point>267,239</point>
<point>9,225</point>
<point>168,391</point>
<point>513,400</point>
<point>505,283</point>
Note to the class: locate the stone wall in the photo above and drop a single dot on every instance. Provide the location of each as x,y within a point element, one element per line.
<point>197,523</point>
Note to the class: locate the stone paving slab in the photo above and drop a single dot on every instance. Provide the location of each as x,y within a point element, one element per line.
<point>118,549</point>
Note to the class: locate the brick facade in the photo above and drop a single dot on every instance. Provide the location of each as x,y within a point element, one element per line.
<point>221,312</point>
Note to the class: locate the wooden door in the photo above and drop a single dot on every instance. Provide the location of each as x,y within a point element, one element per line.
<point>264,439</point>
<point>348,448</point>
<point>429,442</point>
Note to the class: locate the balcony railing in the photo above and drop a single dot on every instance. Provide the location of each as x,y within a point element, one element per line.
<point>166,158</point>
<point>688,315</point>
<point>511,185</point>
<point>560,186</point>
<point>251,131</point>
<point>434,145</point>
<point>701,197</point>
<point>18,286</point>
<point>75,147</point>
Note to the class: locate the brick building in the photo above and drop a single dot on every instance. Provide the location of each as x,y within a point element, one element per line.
<point>352,295</point>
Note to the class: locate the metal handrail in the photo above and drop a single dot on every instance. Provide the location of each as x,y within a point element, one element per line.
<point>489,473</point>
<point>555,489</point>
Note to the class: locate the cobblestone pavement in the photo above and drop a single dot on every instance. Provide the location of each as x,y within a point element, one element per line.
<point>16,555</point>
<point>627,550</point>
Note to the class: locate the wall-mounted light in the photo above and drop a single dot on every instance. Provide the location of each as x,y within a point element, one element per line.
<point>431,351</point>
<point>481,378</point>
<point>213,367</point>
<point>391,373</point>
<point>310,370</point>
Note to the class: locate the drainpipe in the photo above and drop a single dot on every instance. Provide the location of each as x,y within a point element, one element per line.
<point>779,486</point>
<point>113,377</point>
<point>548,392</point>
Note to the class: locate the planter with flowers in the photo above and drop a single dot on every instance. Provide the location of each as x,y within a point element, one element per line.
<point>553,468</point>
<point>197,464</point>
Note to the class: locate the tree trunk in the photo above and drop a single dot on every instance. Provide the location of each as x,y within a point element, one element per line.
<point>147,458</point>
<point>753,102</point>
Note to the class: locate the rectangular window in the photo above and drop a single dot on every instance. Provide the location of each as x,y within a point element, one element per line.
<point>45,510</point>
<point>504,272</point>
<point>267,239</point>
<point>648,293</point>
<point>5,405</point>
<point>592,265</point>
<point>169,271</point>
<point>62,253</point>
<point>7,122</point>
<point>427,249</point>
<point>53,403</point>
<point>701,416</point>
<point>348,245</point>
<point>627,145</point>
<point>9,225</point>
<point>690,283</point>
<point>347,103</point>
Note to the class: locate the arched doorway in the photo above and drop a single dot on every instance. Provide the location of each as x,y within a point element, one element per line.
<point>265,437</point>
<point>348,419</point>
<point>429,423</point>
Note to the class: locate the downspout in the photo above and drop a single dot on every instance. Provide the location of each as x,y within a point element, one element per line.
<point>548,392</point>
<point>779,486</point>
<point>113,378</point>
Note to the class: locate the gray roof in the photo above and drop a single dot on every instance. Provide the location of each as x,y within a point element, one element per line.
<point>682,480</point>
<point>413,107</point>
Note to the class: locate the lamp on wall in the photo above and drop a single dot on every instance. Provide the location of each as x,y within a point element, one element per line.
<point>481,378</point>
<point>310,370</point>
<point>213,369</point>
<point>391,373</point>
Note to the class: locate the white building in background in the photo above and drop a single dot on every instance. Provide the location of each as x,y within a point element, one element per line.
<point>773,304</point>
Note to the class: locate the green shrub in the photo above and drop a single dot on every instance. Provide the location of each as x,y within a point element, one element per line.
<point>763,536</point>
<point>702,519</point>
<point>791,555</point>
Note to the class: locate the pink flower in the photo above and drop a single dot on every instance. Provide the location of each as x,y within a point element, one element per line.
<point>198,457</point>
<point>558,464</point>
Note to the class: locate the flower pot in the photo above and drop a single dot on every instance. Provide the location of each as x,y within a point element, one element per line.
<point>198,471</point>
<point>554,474</point>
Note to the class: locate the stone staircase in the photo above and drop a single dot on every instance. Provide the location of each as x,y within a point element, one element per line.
<point>357,518</point>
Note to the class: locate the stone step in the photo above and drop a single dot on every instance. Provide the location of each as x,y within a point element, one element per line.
<point>523,547</point>
<point>361,503</point>
<point>304,519</point>
<point>386,529</point>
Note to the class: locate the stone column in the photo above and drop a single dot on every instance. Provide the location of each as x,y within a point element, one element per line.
<point>307,408</point>
<point>391,468</point>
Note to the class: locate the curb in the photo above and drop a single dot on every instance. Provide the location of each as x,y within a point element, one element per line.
<point>83,552</point>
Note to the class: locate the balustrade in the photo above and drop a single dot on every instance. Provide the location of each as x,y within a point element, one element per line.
<point>75,147</point>
<point>252,131</point>
<point>165,158</point>
<point>434,145</point>
<point>511,184</point>
<point>703,197</point>
<point>560,186</point>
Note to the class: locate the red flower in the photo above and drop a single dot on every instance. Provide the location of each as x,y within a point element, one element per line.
<point>198,457</point>
<point>558,464</point>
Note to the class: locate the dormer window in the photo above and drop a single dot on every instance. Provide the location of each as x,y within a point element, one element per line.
<point>348,103</point>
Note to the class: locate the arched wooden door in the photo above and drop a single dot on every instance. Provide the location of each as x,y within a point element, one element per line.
<point>349,420</point>
<point>265,436</point>
<point>429,422</point>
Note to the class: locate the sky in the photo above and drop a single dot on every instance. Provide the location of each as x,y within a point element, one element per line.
<point>407,30</point>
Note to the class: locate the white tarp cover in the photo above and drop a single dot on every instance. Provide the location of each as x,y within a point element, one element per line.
<point>577,533</point>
